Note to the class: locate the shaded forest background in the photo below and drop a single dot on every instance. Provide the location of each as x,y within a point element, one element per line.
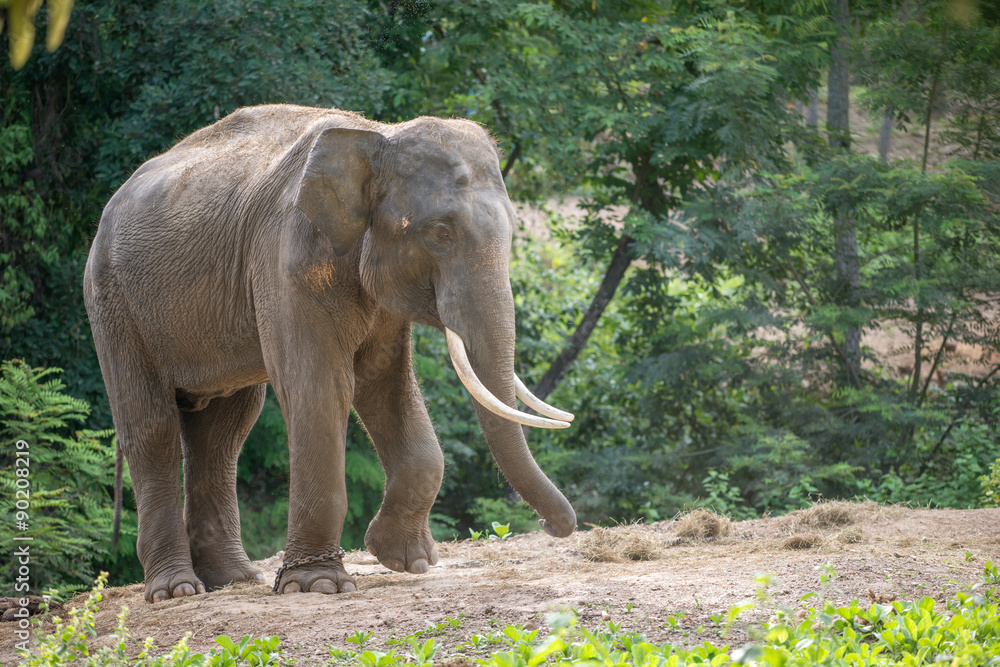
<point>708,311</point>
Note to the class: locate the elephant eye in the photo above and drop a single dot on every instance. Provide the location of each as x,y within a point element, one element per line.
<point>440,238</point>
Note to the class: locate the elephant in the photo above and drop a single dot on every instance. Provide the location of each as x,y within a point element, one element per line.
<point>296,246</point>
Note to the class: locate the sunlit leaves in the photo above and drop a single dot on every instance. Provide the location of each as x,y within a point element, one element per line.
<point>19,16</point>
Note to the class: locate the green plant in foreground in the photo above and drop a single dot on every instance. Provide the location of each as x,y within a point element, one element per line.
<point>501,531</point>
<point>359,638</point>
<point>965,630</point>
<point>68,643</point>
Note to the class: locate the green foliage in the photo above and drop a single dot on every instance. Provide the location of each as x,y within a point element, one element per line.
<point>929,258</point>
<point>921,61</point>
<point>991,486</point>
<point>55,484</point>
<point>68,643</point>
<point>19,19</point>
<point>23,222</point>
<point>944,472</point>
<point>207,59</point>
<point>965,630</point>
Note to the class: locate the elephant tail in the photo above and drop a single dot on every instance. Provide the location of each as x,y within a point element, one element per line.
<point>119,466</point>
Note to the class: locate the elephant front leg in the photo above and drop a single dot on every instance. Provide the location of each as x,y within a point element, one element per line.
<point>388,400</point>
<point>316,410</point>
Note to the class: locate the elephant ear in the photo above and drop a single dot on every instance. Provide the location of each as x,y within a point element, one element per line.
<point>334,189</point>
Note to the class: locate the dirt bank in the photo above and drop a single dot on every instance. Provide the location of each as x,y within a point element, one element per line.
<point>877,552</point>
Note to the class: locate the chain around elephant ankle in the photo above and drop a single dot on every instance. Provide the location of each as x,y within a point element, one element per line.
<point>305,560</point>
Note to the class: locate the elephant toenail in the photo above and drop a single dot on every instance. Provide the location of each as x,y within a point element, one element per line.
<point>418,566</point>
<point>323,586</point>
<point>292,587</point>
<point>181,590</point>
<point>259,580</point>
<point>160,596</point>
<point>348,587</point>
<point>201,588</point>
<point>394,564</point>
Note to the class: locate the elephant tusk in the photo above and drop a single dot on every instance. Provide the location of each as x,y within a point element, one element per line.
<point>456,348</point>
<point>538,405</point>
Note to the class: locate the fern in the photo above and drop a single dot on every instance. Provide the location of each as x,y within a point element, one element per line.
<point>70,474</point>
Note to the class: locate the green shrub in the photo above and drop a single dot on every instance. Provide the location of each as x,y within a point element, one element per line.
<point>991,486</point>
<point>65,504</point>
<point>69,644</point>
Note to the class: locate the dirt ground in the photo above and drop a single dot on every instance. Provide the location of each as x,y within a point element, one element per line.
<point>878,553</point>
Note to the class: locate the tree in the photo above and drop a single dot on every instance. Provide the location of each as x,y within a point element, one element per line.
<point>917,68</point>
<point>847,275</point>
<point>639,104</point>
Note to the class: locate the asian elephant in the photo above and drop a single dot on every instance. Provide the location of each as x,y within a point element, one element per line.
<point>295,246</point>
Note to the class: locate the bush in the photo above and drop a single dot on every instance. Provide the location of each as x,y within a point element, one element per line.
<point>65,504</point>
<point>991,486</point>
<point>69,644</point>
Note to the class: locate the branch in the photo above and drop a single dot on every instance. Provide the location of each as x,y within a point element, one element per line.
<point>934,365</point>
<point>511,159</point>
<point>502,116</point>
<point>620,261</point>
<point>954,420</point>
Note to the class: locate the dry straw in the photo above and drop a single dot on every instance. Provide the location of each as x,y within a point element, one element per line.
<point>837,513</point>
<point>797,542</point>
<point>621,543</point>
<point>702,524</point>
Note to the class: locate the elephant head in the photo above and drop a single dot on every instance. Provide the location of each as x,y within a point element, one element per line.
<point>424,205</point>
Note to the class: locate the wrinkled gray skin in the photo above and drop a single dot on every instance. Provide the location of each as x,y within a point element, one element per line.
<point>295,246</point>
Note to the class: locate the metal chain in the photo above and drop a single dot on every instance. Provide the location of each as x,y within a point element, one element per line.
<point>305,560</point>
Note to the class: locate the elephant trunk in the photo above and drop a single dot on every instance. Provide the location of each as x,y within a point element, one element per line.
<point>490,361</point>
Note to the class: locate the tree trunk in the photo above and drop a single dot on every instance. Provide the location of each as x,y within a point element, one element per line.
<point>620,261</point>
<point>884,137</point>
<point>812,111</point>
<point>847,269</point>
<point>838,97</point>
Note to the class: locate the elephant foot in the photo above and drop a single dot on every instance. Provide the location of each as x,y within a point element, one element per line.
<point>328,577</point>
<point>173,585</point>
<point>399,546</point>
<point>216,575</point>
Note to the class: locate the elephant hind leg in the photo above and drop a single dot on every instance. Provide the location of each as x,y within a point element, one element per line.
<point>148,432</point>
<point>212,440</point>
